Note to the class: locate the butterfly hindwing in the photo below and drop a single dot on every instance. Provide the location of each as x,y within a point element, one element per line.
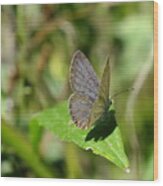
<point>80,109</point>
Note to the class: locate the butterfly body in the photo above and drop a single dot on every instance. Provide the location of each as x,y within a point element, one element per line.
<point>90,98</point>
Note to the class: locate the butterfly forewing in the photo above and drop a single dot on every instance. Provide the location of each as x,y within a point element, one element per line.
<point>102,100</point>
<point>83,79</point>
<point>85,86</point>
<point>105,84</point>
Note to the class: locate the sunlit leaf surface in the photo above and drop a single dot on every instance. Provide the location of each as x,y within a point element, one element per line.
<point>109,145</point>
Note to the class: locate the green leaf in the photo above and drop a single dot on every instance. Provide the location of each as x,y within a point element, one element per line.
<point>58,120</point>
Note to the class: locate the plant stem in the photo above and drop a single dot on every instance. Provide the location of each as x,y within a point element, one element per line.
<point>72,161</point>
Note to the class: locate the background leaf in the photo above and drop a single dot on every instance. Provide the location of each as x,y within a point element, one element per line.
<point>19,142</point>
<point>57,120</point>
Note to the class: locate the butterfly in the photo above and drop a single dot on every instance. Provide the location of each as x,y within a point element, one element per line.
<point>90,98</point>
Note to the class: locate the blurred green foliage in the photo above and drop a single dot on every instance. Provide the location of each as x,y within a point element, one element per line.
<point>37,45</point>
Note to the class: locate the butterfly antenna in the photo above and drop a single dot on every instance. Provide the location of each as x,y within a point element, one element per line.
<point>120,92</point>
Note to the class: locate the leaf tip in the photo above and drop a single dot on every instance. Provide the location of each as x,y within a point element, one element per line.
<point>88,148</point>
<point>127,170</point>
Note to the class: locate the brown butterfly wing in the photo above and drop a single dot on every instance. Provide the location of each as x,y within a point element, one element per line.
<point>102,101</point>
<point>80,109</point>
<point>85,86</point>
